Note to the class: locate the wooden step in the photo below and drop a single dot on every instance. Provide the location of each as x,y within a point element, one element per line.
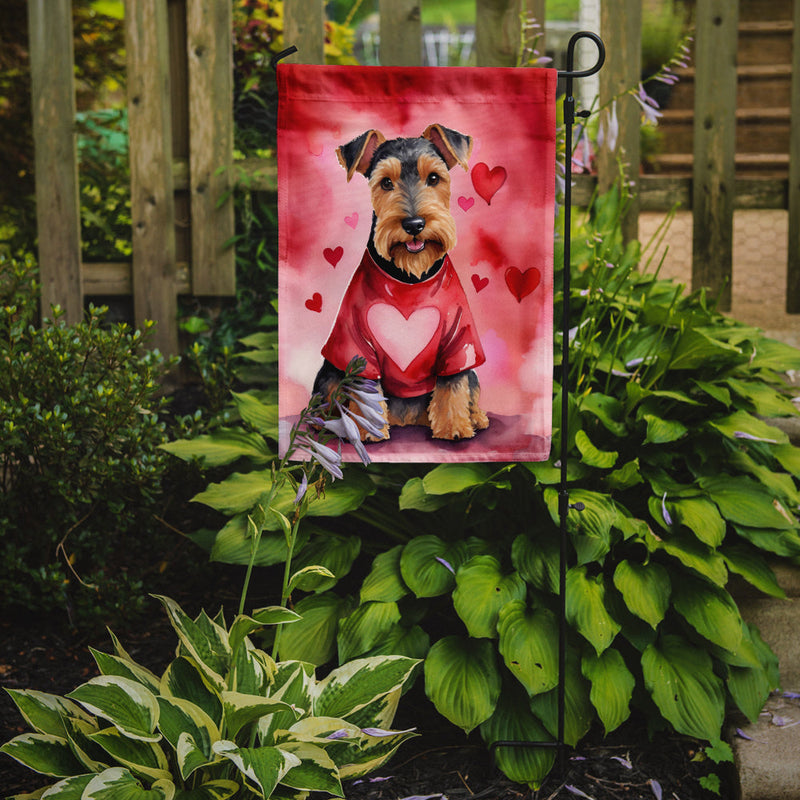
<point>754,10</point>
<point>767,165</point>
<point>765,42</point>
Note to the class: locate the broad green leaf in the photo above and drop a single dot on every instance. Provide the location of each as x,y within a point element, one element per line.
<point>612,687</point>
<point>683,685</point>
<point>117,783</point>
<point>589,526</point>
<point>701,517</point>
<point>385,582</point>
<point>481,591</point>
<point>414,497</point>
<point>740,422</point>
<point>365,628</point>
<point>183,680</point>
<point>462,680</point>
<point>749,687</point>
<point>241,709</point>
<point>774,355</point>
<point>608,410</point>
<point>126,704</point>
<point>44,753</point>
<point>663,431</point>
<point>261,416</point>
<point>145,759</point>
<point>312,577</point>
<point>449,478</point>
<point>716,391</point>
<point>645,588</point>
<point>512,721</point>
<point>234,545</point>
<point>746,561</point>
<point>237,493</point>
<point>45,712</point>
<point>316,771</point>
<point>428,565</point>
<point>743,501</point>
<point>782,543</point>
<point>625,477</point>
<point>696,349</point>
<point>788,455</point>
<point>399,640</point>
<point>264,766</point>
<point>313,638</point>
<point>537,560</point>
<point>591,455</point>
<point>334,553</point>
<point>125,668</point>
<point>223,446</point>
<point>691,553</point>
<point>766,401</point>
<point>586,608</point>
<point>709,609</point>
<point>529,645</point>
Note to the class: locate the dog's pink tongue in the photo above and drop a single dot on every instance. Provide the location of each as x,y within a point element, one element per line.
<point>415,246</point>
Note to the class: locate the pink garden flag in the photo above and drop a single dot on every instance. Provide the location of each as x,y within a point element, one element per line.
<point>416,216</point>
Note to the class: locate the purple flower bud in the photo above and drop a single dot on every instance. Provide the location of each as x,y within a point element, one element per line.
<point>655,786</point>
<point>342,733</point>
<point>446,564</point>
<point>664,512</point>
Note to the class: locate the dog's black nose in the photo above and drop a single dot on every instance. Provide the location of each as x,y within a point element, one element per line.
<point>413,225</point>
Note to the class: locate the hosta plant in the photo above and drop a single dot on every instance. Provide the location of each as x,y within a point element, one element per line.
<point>224,720</point>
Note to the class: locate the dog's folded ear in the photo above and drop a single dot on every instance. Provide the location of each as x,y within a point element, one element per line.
<point>454,147</point>
<point>356,156</point>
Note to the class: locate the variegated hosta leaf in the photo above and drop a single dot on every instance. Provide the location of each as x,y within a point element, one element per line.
<point>529,645</point>
<point>44,753</point>
<point>244,625</point>
<point>45,712</point>
<point>294,683</point>
<point>646,589</point>
<point>252,670</point>
<point>125,668</point>
<point>612,687</point>
<point>683,685</point>
<point>183,679</point>
<point>316,771</point>
<point>242,709</point>
<point>190,755</point>
<point>385,581</point>
<point>262,766</point>
<point>371,754</point>
<point>462,680</point>
<point>78,733</point>
<point>586,608</point>
<point>481,591</point>
<point>358,683</point>
<point>513,721</point>
<point>126,704</point>
<point>180,717</point>
<point>710,610</point>
<point>212,790</point>
<point>365,628</point>
<point>117,783</point>
<point>68,789</point>
<point>335,554</point>
<point>145,759</point>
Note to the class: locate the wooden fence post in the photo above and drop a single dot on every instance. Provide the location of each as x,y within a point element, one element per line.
<point>498,32</point>
<point>401,33</point>
<point>152,200</point>
<point>714,190</point>
<point>210,55</point>
<point>304,27</point>
<point>793,266</point>
<point>56,164</point>
<point>621,28</point>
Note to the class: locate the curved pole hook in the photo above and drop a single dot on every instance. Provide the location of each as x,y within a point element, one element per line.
<point>570,72</point>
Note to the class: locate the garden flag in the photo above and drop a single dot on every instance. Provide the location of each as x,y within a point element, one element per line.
<point>416,218</point>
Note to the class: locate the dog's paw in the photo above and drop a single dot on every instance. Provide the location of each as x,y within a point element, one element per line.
<point>453,432</point>
<point>369,437</point>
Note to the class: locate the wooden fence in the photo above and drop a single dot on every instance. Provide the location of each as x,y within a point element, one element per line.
<point>181,134</point>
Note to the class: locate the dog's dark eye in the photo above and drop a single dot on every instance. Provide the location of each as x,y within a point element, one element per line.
<point>387,185</point>
<point>433,179</point>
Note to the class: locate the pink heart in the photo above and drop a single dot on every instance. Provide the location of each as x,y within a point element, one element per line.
<point>401,338</point>
<point>466,203</point>
<point>333,257</point>
<point>352,220</point>
<point>314,303</point>
<point>521,284</point>
<point>479,283</point>
<point>486,181</point>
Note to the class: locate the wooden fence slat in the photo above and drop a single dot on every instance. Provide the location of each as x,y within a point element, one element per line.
<point>210,55</point>
<point>497,32</point>
<point>793,265</point>
<point>717,23</point>
<point>56,161</point>
<point>621,29</point>
<point>152,201</point>
<point>401,33</point>
<point>304,27</point>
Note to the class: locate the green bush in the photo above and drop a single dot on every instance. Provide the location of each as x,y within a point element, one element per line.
<point>80,470</point>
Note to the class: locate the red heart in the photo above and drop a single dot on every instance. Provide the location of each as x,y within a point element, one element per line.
<point>352,220</point>
<point>333,257</point>
<point>478,282</point>
<point>486,181</point>
<point>466,203</point>
<point>314,303</point>
<point>521,284</point>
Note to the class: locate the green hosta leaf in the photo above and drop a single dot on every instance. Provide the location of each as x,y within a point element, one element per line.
<point>646,589</point>
<point>529,645</point>
<point>782,543</point>
<point>663,431</point>
<point>740,422</point>
<point>449,478</point>
<point>234,545</point>
<point>68,789</point>
<point>749,687</point>
<point>696,349</point>
<point>481,591</point>
<point>745,502</point>
<point>372,753</point>
<point>316,772</point>
<point>625,477</point>
<point>586,608</point>
<point>753,567</point>
<point>590,455</point>
<point>334,553</point>
<point>356,684</point>
<point>365,627</point>
<point>182,679</point>
<point>590,528</point>
<point>512,721</point>
<point>313,638</point>
<point>612,687</point>
<point>212,790</point>
<point>693,554</point>
<point>126,704</point>
<point>537,560</point>
<point>385,582</point>
<point>462,680</point>
<point>766,401</point>
<point>608,410</point>
<point>294,685</point>
<point>683,685</point>
<point>223,446</point>
<point>709,610</point>
<point>180,717</point>
<point>118,784</point>
<point>774,355</point>
<point>242,709</point>
<point>78,732</point>
<point>45,712</point>
<point>261,416</point>
<point>788,455</point>
<point>701,517</point>
<point>237,493</point>
<point>263,766</point>
<point>125,668</point>
<point>243,625</point>
<point>414,497</point>
<point>145,759</point>
<point>399,640</point>
<point>716,391</point>
<point>44,753</point>
<point>312,577</point>
<point>428,565</point>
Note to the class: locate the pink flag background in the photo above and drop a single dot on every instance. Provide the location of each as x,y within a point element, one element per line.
<point>504,213</point>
